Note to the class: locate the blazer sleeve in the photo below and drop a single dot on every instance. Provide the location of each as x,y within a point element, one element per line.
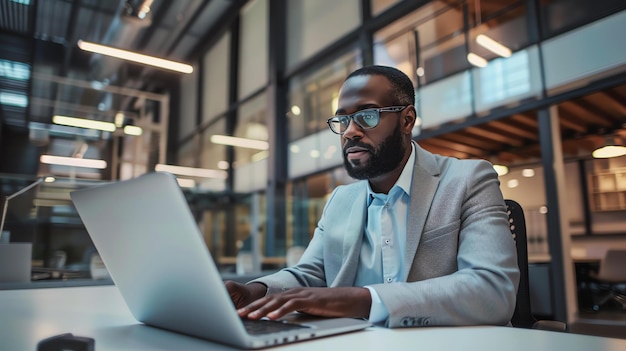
<point>472,232</point>
<point>310,270</point>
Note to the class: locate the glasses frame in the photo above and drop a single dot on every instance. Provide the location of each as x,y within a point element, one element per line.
<point>351,117</point>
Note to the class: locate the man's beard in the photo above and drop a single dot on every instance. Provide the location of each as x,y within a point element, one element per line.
<point>381,161</point>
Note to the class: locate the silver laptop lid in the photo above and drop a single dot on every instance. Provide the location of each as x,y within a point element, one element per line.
<point>149,241</point>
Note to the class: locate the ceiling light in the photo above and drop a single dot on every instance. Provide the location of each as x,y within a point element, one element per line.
<point>240,142</point>
<point>132,130</point>
<point>84,123</point>
<point>191,172</point>
<point>261,155</point>
<point>295,109</point>
<point>135,57</point>
<point>613,147</point>
<point>144,9</point>
<point>493,46</point>
<point>501,170</point>
<point>14,70</point>
<point>512,183</point>
<point>528,172</point>
<point>73,161</point>
<point>53,129</point>
<point>119,119</point>
<point>476,60</point>
<point>186,183</point>
<point>609,151</point>
<point>13,99</point>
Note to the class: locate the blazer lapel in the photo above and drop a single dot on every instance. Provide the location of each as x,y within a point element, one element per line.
<point>423,188</point>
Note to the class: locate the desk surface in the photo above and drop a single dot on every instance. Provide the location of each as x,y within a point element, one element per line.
<point>99,312</point>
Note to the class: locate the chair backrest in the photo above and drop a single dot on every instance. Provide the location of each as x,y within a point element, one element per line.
<point>522,317</point>
<point>612,267</point>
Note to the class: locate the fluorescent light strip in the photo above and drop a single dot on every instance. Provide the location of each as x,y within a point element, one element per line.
<point>476,60</point>
<point>133,130</point>
<point>84,123</point>
<point>191,172</point>
<point>493,46</point>
<point>12,99</point>
<point>186,183</point>
<point>259,156</point>
<point>14,70</point>
<point>135,57</point>
<point>240,142</point>
<point>73,162</point>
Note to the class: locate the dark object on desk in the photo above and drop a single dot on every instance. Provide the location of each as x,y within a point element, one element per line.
<point>523,317</point>
<point>610,276</point>
<point>66,342</point>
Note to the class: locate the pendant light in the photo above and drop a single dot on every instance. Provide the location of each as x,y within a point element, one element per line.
<point>612,147</point>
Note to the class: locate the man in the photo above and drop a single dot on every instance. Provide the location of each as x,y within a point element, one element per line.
<point>422,240</point>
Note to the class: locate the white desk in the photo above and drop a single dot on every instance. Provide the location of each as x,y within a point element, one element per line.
<point>28,316</point>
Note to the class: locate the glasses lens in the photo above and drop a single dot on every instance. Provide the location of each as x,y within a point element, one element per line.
<point>367,119</point>
<point>339,124</point>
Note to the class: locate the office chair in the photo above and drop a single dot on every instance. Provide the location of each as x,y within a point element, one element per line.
<point>610,276</point>
<point>523,317</point>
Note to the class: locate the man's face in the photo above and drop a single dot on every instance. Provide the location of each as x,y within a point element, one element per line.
<point>373,152</point>
<point>379,161</point>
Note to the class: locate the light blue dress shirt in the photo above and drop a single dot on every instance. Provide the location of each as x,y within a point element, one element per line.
<point>383,249</point>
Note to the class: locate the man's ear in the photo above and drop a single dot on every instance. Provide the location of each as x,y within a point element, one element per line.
<point>409,118</point>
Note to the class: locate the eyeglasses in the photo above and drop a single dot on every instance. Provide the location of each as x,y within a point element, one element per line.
<point>365,119</point>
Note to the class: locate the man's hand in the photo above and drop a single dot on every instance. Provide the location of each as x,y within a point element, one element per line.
<point>325,302</point>
<point>243,295</point>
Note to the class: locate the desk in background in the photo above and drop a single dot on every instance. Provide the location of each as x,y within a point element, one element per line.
<point>99,312</point>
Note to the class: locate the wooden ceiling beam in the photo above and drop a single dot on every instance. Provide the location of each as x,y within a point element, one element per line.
<point>468,139</point>
<point>514,129</point>
<point>528,121</point>
<point>579,109</point>
<point>443,150</point>
<point>568,124</point>
<point>505,139</point>
<point>470,150</point>
<point>610,101</point>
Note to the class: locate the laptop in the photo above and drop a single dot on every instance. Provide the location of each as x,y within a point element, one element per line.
<point>152,247</point>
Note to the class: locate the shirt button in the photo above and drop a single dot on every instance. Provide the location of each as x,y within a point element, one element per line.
<point>389,280</point>
<point>387,242</point>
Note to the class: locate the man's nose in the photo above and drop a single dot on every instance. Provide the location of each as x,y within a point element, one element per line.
<point>353,131</point>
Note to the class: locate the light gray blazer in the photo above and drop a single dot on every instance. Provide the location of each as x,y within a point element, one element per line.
<point>460,256</point>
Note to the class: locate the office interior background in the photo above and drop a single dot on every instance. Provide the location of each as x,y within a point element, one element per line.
<point>534,86</point>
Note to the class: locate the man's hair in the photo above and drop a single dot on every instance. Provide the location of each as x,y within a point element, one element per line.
<point>403,91</point>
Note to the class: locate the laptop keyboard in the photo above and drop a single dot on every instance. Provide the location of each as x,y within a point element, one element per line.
<point>264,326</point>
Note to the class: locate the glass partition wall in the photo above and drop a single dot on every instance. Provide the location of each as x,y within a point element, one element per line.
<point>472,63</point>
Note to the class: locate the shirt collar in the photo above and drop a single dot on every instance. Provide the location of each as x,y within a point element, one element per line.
<point>403,182</point>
